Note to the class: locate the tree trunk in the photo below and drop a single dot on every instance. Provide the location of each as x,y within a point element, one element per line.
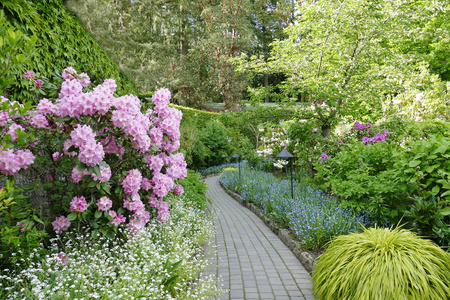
<point>326,130</point>
<point>266,84</point>
<point>183,24</point>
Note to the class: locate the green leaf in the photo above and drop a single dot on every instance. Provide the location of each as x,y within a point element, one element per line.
<point>94,234</point>
<point>445,211</point>
<point>435,189</point>
<point>110,234</point>
<point>81,167</point>
<point>106,189</point>
<point>38,220</point>
<point>103,164</point>
<point>92,183</point>
<point>94,224</point>
<point>72,216</point>
<point>414,163</point>
<point>97,171</point>
<point>98,214</point>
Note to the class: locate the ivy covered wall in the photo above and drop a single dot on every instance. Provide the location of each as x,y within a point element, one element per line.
<point>62,41</point>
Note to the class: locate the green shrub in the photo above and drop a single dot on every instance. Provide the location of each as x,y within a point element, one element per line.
<point>194,190</point>
<point>216,138</point>
<point>426,217</point>
<point>402,129</point>
<point>424,168</point>
<point>21,231</point>
<point>362,175</point>
<point>381,264</point>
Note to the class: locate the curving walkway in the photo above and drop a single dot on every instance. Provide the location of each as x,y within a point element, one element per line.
<point>252,260</point>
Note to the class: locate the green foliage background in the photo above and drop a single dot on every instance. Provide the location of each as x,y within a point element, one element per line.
<point>61,42</point>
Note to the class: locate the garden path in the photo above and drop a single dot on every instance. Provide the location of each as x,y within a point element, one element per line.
<point>252,261</point>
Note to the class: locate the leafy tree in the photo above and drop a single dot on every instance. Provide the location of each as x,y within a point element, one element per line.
<point>180,44</point>
<point>343,55</point>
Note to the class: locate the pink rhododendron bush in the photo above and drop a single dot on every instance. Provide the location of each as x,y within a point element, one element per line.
<point>104,160</point>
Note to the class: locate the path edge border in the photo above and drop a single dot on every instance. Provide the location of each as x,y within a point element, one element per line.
<point>305,258</point>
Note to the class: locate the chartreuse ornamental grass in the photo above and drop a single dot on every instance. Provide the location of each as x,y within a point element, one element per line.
<point>381,264</point>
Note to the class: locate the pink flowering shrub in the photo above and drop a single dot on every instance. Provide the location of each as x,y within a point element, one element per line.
<point>110,161</point>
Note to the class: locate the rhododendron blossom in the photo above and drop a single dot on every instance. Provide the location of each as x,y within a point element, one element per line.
<point>29,75</point>
<point>117,218</point>
<point>162,185</point>
<point>78,204</point>
<point>105,174</point>
<point>104,203</point>
<point>123,152</point>
<point>77,175</point>
<point>39,121</point>
<point>178,190</point>
<point>12,131</point>
<point>61,224</point>
<point>132,183</point>
<point>11,161</point>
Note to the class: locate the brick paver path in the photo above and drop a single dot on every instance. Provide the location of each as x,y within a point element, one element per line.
<point>252,260</point>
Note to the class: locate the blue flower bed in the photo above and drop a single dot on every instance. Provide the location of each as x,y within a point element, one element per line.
<point>312,215</point>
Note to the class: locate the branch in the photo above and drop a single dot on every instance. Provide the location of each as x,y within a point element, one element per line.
<point>326,39</point>
<point>239,7</point>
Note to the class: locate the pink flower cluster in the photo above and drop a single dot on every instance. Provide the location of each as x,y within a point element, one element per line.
<point>70,73</point>
<point>29,75</point>
<point>12,131</point>
<point>39,121</point>
<point>46,107</point>
<point>167,119</point>
<point>105,173</point>
<point>161,206</point>
<point>78,204</point>
<point>74,103</point>
<point>117,218</point>
<point>140,215</point>
<point>91,152</point>
<point>11,161</point>
<point>162,185</point>
<point>178,190</point>
<point>104,203</point>
<point>77,175</point>
<point>132,183</point>
<point>61,224</point>
<point>154,135</point>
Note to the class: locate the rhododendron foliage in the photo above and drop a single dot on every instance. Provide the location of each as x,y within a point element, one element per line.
<point>103,152</point>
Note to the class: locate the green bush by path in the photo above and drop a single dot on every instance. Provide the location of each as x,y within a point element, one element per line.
<point>380,264</point>
<point>194,190</point>
<point>61,42</point>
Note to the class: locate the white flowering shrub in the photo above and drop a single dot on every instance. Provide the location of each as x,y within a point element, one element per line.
<point>162,262</point>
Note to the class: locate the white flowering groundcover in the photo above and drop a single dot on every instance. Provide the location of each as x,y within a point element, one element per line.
<point>165,261</point>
